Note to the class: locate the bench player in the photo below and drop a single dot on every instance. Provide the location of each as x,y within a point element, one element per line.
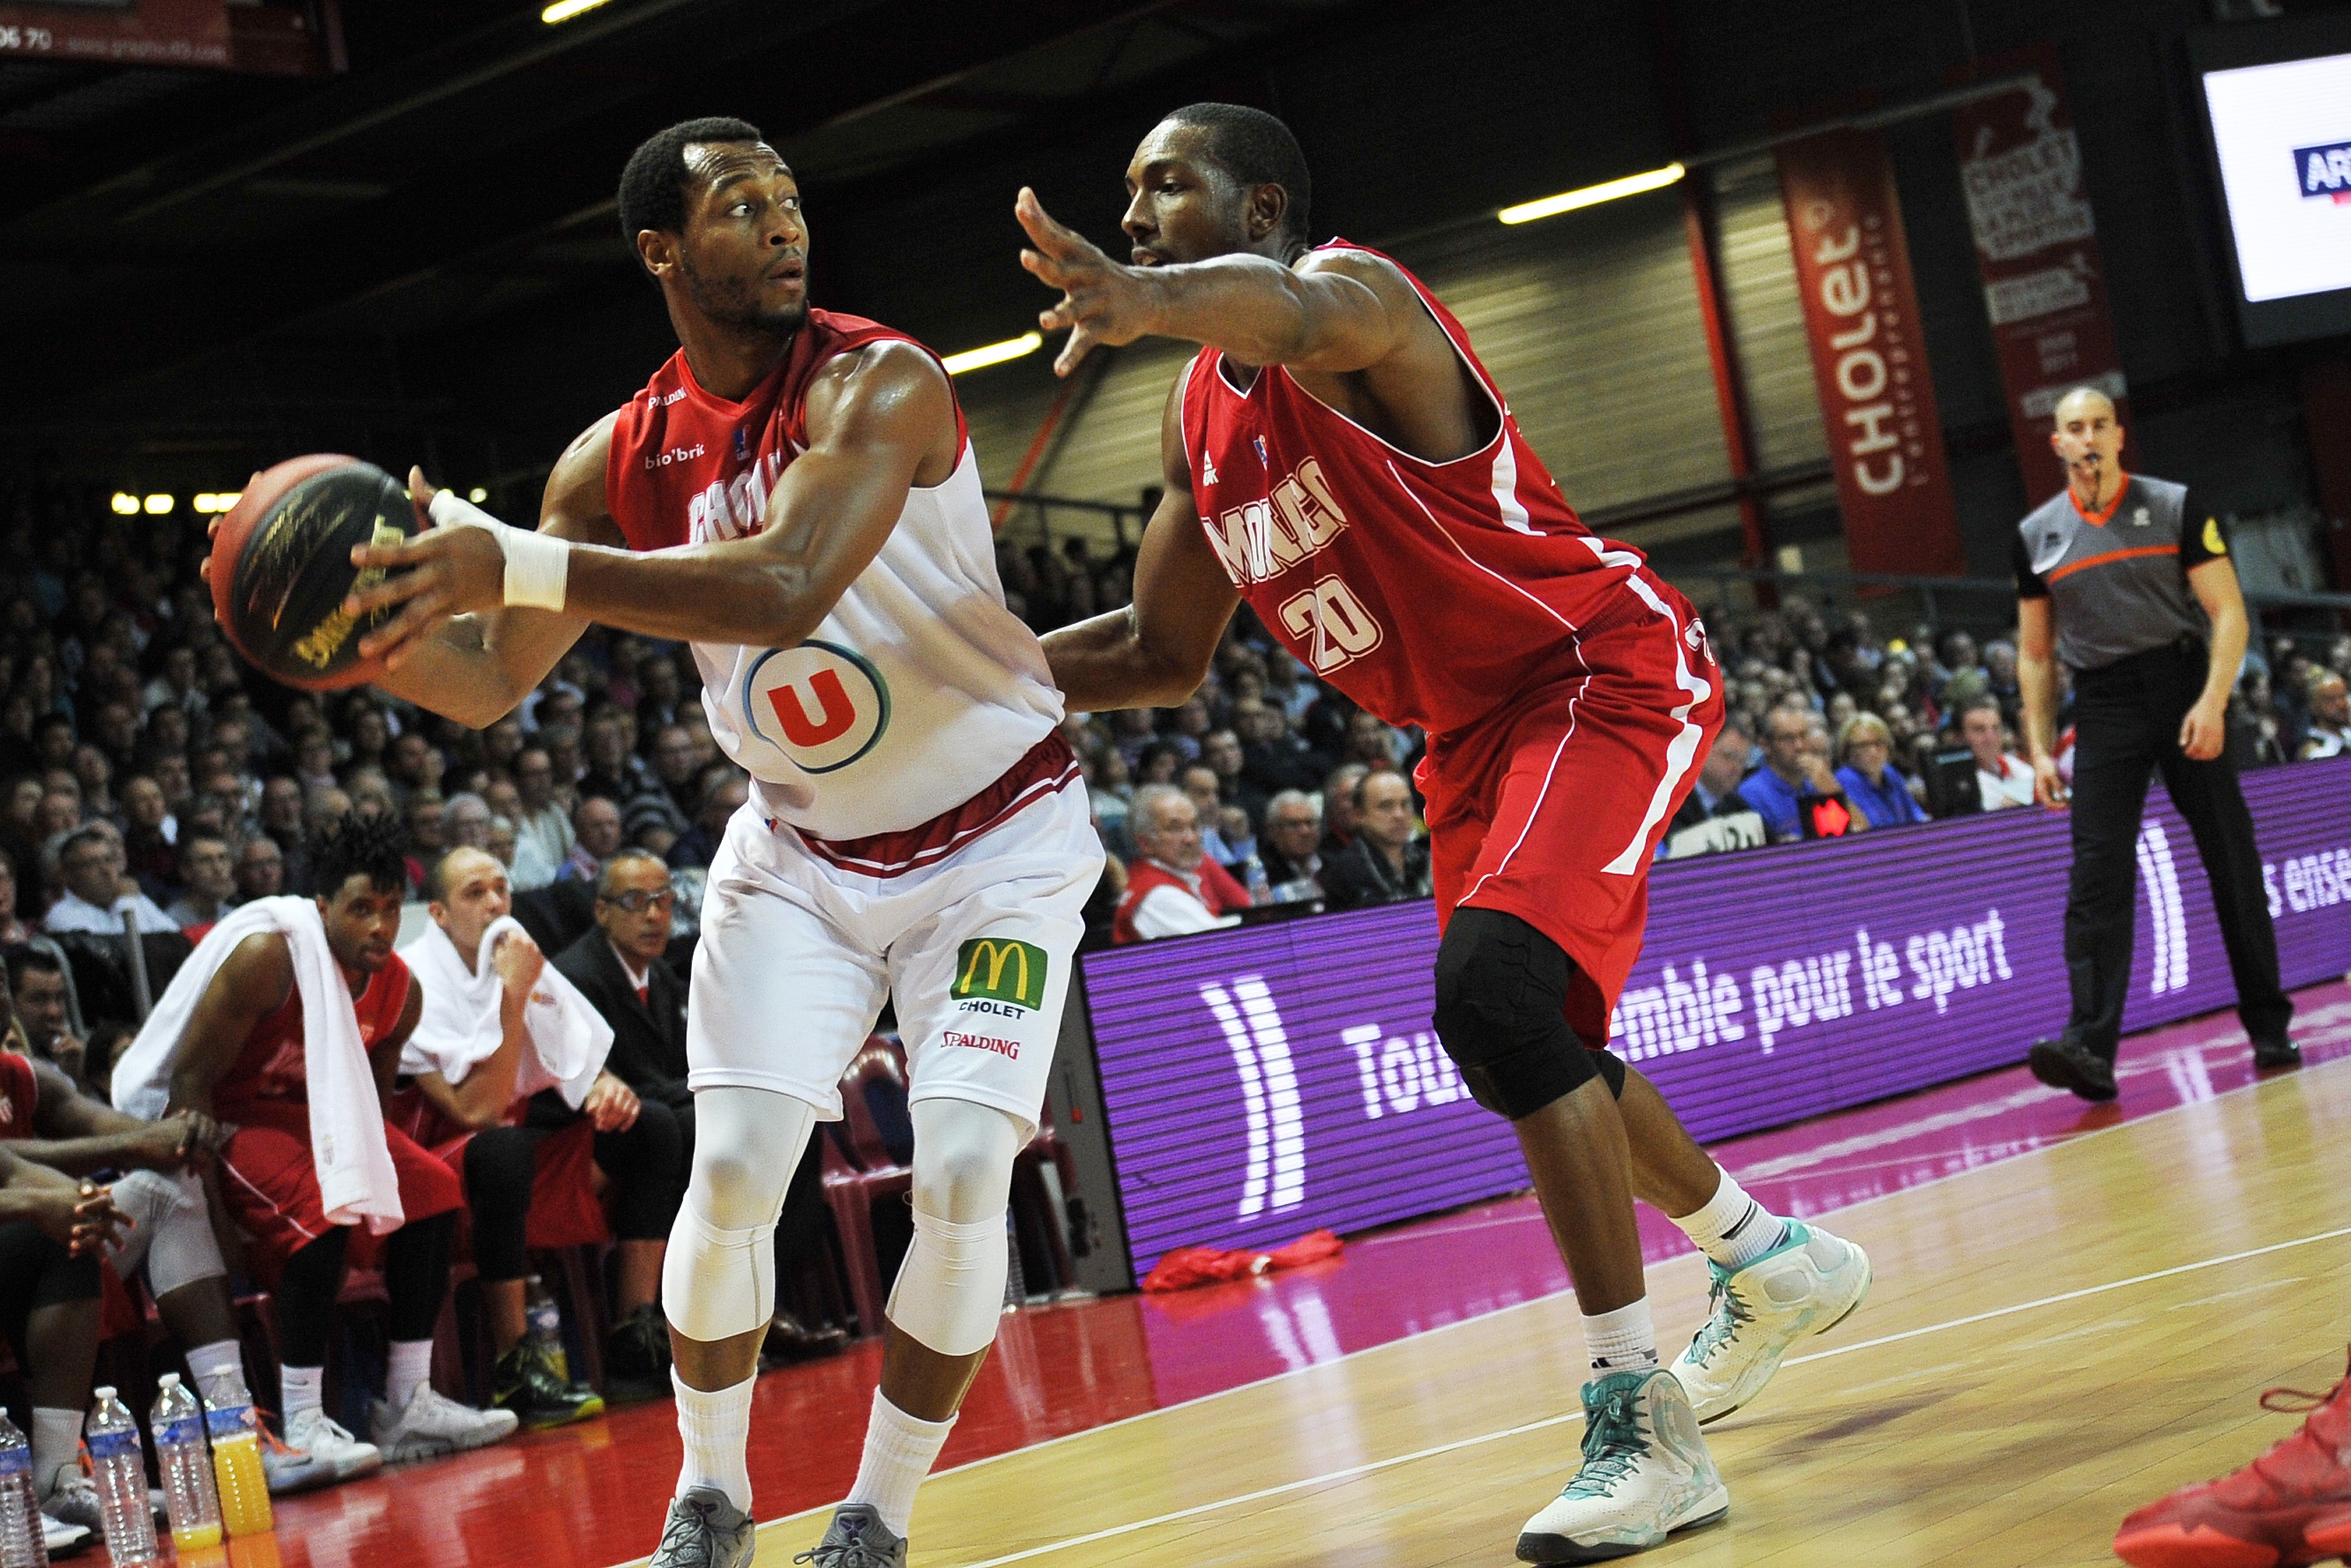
<point>1337,455</point>
<point>794,494</point>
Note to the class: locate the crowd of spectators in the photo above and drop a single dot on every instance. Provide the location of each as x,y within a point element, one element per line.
<point>1278,784</point>
<point>148,775</point>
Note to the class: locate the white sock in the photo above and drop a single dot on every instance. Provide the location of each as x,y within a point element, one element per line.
<point>1733,1228</point>
<point>301,1389</point>
<point>899,1452</point>
<point>408,1368</point>
<point>57,1446</point>
<point>1621,1341</point>
<point>716,1430</point>
<point>218,1372</point>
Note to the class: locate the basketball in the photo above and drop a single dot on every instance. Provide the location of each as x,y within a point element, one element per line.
<point>282,566</point>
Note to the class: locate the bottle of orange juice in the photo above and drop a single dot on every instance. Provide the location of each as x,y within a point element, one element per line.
<point>236,1466</point>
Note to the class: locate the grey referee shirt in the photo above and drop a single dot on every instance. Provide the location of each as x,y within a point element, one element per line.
<point>2118,581</point>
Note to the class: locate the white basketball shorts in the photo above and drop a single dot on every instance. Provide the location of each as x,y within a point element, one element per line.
<point>797,954</point>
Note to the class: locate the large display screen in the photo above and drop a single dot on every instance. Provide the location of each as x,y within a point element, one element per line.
<point>1260,1083</point>
<point>2280,144</point>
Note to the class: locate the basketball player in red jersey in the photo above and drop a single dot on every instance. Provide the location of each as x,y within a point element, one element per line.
<point>794,493</point>
<point>242,1060</point>
<point>1337,455</point>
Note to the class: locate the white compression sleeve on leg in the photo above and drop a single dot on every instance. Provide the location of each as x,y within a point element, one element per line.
<point>170,1232</point>
<point>538,566</point>
<point>719,1278</point>
<point>950,1289</point>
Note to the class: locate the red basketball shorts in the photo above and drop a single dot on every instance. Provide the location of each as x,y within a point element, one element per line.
<point>271,1183</point>
<point>1551,807</point>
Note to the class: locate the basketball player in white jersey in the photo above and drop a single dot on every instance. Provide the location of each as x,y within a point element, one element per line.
<point>794,494</point>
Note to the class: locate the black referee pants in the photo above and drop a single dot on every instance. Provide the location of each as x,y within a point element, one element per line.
<point>2127,719</point>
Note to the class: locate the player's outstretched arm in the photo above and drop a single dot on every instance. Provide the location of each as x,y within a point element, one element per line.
<point>877,420</point>
<point>479,666</point>
<point>1155,652</point>
<point>76,1135</point>
<point>1345,312</point>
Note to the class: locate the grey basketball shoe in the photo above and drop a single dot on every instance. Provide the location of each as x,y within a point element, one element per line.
<point>704,1531</point>
<point>857,1539</point>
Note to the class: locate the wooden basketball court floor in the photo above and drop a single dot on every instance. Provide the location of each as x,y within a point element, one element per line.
<point>2053,1339</point>
<point>2076,1309</point>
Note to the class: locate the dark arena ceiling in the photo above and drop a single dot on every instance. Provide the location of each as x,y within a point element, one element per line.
<point>184,249</point>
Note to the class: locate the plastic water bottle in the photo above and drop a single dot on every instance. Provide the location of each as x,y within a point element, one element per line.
<point>120,1476</point>
<point>189,1498</point>
<point>21,1545</point>
<point>236,1469</point>
<point>1260,891</point>
<point>544,1325</point>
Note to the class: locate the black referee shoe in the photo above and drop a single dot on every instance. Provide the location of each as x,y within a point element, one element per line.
<point>2275,1054</point>
<point>2061,1065</point>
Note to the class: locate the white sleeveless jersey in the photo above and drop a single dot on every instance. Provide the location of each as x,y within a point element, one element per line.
<point>919,690</point>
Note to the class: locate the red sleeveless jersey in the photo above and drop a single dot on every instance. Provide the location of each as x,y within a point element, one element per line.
<point>271,1067</point>
<point>1428,593</point>
<point>687,466</point>
<point>20,1094</point>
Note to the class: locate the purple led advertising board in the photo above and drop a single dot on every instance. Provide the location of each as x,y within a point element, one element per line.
<point>1257,1084</point>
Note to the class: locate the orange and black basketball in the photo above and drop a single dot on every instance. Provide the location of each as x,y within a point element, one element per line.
<point>281,566</point>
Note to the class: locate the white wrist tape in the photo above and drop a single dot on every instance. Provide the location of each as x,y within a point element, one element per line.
<point>538,566</point>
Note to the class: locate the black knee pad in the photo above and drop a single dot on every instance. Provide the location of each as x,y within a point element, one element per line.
<point>1501,986</point>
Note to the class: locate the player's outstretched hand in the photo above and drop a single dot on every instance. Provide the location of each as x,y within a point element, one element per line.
<point>433,576</point>
<point>1103,301</point>
<point>212,532</point>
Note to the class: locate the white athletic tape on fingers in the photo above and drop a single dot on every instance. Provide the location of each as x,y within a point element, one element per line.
<point>538,566</point>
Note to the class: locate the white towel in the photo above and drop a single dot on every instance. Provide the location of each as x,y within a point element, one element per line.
<point>459,1029</point>
<point>356,1179</point>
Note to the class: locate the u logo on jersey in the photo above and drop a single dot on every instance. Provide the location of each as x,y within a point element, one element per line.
<point>1261,539</point>
<point>821,705</point>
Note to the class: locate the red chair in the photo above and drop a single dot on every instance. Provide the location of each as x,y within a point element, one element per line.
<point>866,1175</point>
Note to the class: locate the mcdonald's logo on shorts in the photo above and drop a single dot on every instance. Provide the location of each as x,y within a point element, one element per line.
<point>1000,969</point>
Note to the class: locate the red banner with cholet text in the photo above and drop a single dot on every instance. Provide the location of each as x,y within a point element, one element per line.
<point>1869,355</point>
<point>2037,249</point>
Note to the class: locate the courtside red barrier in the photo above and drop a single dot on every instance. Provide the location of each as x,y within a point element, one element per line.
<point>1254,1084</point>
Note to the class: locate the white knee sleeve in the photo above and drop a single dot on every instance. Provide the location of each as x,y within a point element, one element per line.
<point>171,1229</point>
<point>963,1159</point>
<point>718,1278</point>
<point>950,1289</point>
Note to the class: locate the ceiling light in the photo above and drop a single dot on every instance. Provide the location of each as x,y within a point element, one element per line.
<point>226,500</point>
<point>158,504</point>
<point>1593,195</point>
<point>125,505</point>
<point>564,10</point>
<point>994,353</point>
<point>477,494</point>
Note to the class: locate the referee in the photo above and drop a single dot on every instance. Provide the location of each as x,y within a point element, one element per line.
<point>2128,582</point>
